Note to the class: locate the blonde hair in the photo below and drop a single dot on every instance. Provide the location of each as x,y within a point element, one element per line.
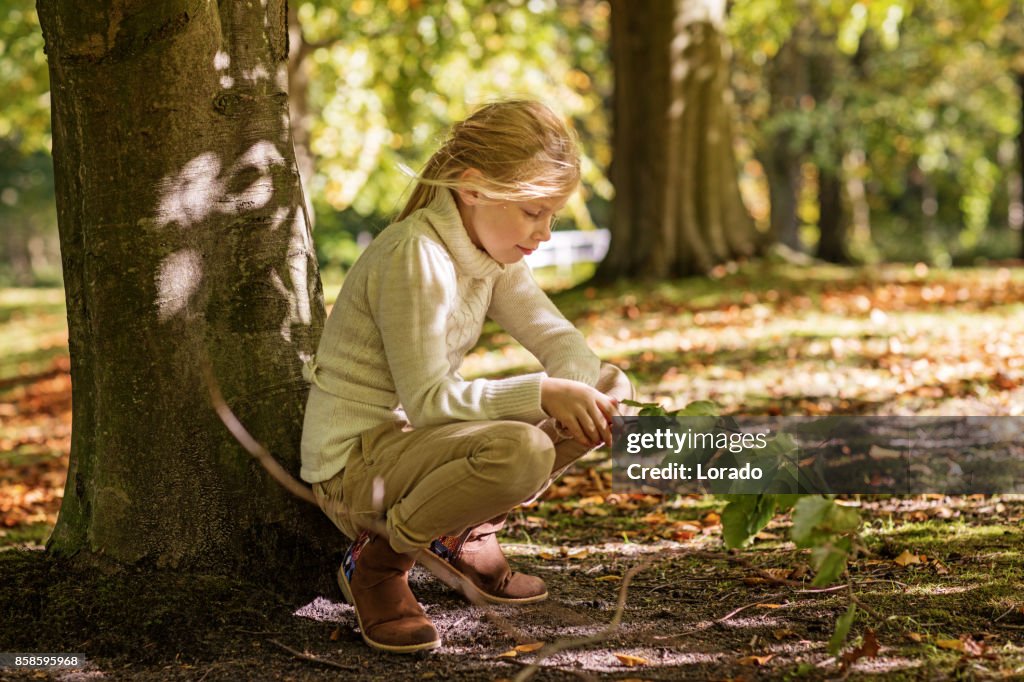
<point>521,148</point>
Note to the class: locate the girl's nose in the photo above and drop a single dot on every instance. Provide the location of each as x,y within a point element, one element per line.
<point>543,233</point>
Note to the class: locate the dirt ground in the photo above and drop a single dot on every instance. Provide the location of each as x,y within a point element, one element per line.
<point>941,593</point>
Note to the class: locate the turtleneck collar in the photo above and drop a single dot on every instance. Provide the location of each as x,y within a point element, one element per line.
<point>443,214</point>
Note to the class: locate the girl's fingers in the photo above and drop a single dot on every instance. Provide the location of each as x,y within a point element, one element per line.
<point>590,430</point>
<point>577,431</point>
<point>603,422</point>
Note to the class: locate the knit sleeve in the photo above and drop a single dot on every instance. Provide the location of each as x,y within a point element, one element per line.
<point>525,311</point>
<point>415,287</point>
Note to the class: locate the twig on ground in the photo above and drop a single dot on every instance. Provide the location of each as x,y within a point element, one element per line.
<point>821,590</point>
<point>747,564</point>
<point>746,606</point>
<point>837,588</point>
<point>578,673</point>
<point>313,659</point>
<point>563,644</point>
<point>1006,613</point>
<point>860,603</point>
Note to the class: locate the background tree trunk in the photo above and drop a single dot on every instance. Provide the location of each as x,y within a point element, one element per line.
<point>1020,141</point>
<point>833,227</point>
<point>677,208</point>
<point>182,235</point>
<point>787,78</point>
<point>298,101</point>
<point>832,220</point>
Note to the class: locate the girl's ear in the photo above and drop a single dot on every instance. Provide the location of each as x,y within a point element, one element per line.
<point>468,196</point>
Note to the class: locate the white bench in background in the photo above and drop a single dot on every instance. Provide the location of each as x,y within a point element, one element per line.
<point>571,246</point>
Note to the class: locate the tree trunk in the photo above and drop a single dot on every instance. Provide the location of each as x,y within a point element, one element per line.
<point>298,101</point>
<point>1020,141</point>
<point>677,207</point>
<point>831,223</point>
<point>860,211</point>
<point>182,237</point>
<point>787,82</point>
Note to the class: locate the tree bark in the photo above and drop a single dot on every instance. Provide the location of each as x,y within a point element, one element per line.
<point>183,237</point>
<point>832,220</point>
<point>787,83</point>
<point>298,100</point>
<point>831,223</point>
<point>1020,142</point>
<point>677,208</point>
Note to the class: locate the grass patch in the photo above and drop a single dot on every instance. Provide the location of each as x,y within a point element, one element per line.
<point>33,331</point>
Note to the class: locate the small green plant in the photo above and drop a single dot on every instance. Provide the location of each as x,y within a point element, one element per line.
<point>829,530</point>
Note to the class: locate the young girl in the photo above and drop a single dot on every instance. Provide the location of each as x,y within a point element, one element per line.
<point>393,433</point>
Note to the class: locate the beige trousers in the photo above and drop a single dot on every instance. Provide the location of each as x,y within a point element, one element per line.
<point>441,480</point>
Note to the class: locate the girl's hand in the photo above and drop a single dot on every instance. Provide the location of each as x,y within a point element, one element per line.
<point>584,411</point>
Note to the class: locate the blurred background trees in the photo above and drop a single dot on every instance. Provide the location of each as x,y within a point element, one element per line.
<point>863,131</point>
<point>677,208</point>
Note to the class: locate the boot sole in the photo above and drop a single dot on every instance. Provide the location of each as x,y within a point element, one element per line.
<point>346,590</point>
<point>454,583</point>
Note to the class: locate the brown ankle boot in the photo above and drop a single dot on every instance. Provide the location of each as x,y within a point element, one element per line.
<point>374,579</point>
<point>477,556</point>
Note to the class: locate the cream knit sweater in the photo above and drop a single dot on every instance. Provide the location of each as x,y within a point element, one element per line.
<point>409,310</point>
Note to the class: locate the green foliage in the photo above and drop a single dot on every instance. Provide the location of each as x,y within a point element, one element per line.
<point>816,518</point>
<point>915,100</point>
<point>819,523</point>
<point>744,517</point>
<point>827,529</point>
<point>386,79</point>
<point>24,80</point>
<point>698,408</point>
<point>29,252</point>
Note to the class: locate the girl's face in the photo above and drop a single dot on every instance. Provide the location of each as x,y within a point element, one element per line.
<point>508,231</point>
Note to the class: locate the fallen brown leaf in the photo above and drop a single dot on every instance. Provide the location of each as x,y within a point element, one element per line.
<point>631,661</point>
<point>778,573</point>
<point>907,558</point>
<point>527,648</point>
<point>868,648</point>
